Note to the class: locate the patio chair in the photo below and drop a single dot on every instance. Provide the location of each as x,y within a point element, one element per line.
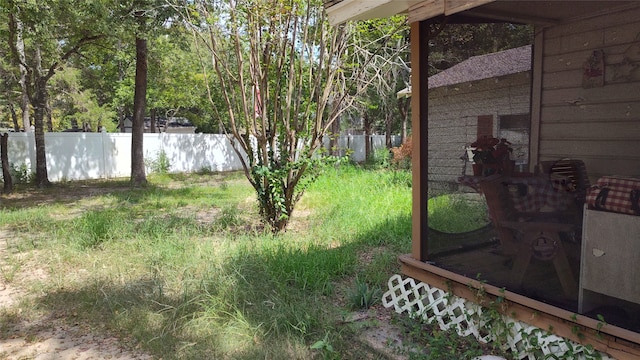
<point>528,235</point>
<point>572,175</point>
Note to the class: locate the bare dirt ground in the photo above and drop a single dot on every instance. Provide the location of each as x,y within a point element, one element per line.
<point>46,337</point>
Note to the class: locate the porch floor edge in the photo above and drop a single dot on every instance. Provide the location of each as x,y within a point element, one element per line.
<point>618,342</point>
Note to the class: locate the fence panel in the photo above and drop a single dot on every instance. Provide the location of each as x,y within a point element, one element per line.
<point>80,156</point>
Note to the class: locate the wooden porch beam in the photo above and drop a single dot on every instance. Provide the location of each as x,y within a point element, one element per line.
<point>511,17</point>
<point>419,123</point>
<point>432,8</point>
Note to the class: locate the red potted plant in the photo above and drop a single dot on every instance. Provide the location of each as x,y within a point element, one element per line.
<point>492,156</point>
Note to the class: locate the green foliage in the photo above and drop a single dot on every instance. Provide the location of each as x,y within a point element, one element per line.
<point>229,217</point>
<point>281,184</point>
<point>387,72</point>
<point>280,105</point>
<point>95,228</point>
<point>458,42</point>
<point>160,165</point>
<point>493,325</point>
<point>76,106</point>
<point>325,348</point>
<point>21,173</point>
<point>363,296</point>
<point>381,159</point>
<point>432,343</point>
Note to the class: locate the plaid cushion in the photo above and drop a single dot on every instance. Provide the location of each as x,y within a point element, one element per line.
<point>533,194</point>
<point>615,194</point>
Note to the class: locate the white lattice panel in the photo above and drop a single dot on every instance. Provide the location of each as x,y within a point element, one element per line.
<point>526,342</point>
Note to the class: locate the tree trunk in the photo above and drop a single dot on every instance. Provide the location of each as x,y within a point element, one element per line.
<point>367,137</point>
<point>40,99</point>
<point>387,130</point>
<point>138,176</point>
<point>4,156</point>
<point>14,118</point>
<point>24,105</point>
<point>49,116</point>
<point>40,107</point>
<point>403,108</point>
<point>333,138</point>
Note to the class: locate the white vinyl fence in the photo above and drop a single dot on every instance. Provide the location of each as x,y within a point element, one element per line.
<point>81,156</point>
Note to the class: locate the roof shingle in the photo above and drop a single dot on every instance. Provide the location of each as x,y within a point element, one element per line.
<point>487,66</point>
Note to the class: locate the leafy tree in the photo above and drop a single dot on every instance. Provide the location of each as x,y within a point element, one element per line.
<point>13,74</point>
<point>52,33</point>
<point>385,43</point>
<point>175,77</point>
<point>455,43</point>
<point>9,90</point>
<point>76,106</point>
<point>281,73</point>
<point>146,19</point>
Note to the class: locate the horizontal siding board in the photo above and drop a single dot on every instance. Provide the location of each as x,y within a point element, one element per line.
<point>622,92</point>
<point>574,43</point>
<point>614,55</point>
<point>452,152</point>
<point>607,166</point>
<point>487,99</point>
<point>446,162</point>
<point>601,125</point>
<point>612,37</point>
<point>451,171</point>
<point>624,15</point>
<point>587,113</point>
<point>611,131</point>
<point>447,143</point>
<point>460,107</point>
<point>626,149</point>
<point>446,122</point>
<point>573,78</point>
<point>621,34</point>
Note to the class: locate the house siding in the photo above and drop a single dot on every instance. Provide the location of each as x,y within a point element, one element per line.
<point>599,125</point>
<point>453,120</point>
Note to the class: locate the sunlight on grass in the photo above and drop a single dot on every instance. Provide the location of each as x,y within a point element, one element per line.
<point>457,213</point>
<point>184,268</point>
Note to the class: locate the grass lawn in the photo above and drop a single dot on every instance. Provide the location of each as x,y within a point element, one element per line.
<point>182,268</point>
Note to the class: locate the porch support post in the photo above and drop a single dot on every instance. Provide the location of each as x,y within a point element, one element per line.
<point>536,99</point>
<point>419,120</point>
